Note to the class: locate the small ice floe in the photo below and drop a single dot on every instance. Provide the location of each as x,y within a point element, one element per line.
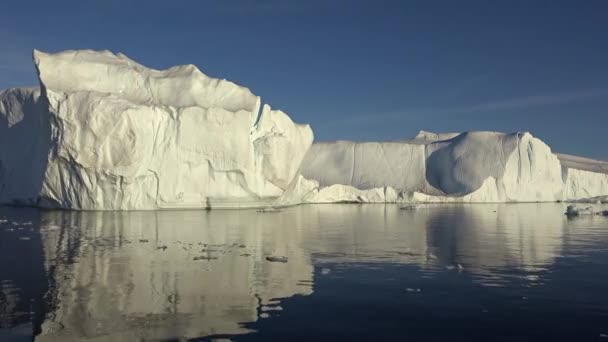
<point>2,221</point>
<point>325,271</point>
<point>267,308</point>
<point>457,267</point>
<point>409,289</point>
<point>273,258</point>
<point>264,315</point>
<point>270,210</point>
<point>410,207</point>
<point>604,336</point>
<point>24,238</point>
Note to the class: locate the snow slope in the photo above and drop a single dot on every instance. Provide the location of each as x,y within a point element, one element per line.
<point>123,136</point>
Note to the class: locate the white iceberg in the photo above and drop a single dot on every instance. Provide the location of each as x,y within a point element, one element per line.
<point>473,167</point>
<point>109,133</point>
<point>451,167</point>
<point>106,133</point>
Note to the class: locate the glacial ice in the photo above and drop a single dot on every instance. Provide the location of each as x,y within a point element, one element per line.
<point>109,133</point>
<point>450,167</point>
<point>103,132</point>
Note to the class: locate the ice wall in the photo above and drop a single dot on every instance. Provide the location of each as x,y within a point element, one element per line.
<point>117,135</point>
<point>449,167</point>
<point>106,133</point>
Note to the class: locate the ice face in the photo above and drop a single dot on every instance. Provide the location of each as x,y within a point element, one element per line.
<point>467,167</point>
<point>122,136</point>
<point>106,133</point>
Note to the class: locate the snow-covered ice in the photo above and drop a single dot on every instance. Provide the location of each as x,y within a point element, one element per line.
<point>103,132</point>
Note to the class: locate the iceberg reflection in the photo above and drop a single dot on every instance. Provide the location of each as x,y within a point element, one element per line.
<point>125,276</point>
<point>160,275</point>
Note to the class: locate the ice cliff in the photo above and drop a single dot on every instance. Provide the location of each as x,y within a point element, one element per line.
<point>450,167</point>
<point>109,133</point>
<point>103,132</point>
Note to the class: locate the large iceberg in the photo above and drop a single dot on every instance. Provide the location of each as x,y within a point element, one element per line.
<point>103,132</point>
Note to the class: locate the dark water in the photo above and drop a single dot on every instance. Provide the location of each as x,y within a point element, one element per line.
<point>355,272</point>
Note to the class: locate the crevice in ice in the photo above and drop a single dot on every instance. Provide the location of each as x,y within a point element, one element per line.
<point>258,113</point>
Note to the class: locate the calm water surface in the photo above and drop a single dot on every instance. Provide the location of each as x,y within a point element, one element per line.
<point>518,272</point>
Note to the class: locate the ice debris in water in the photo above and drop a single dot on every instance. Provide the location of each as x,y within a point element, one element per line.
<point>409,289</point>
<point>452,267</point>
<point>272,258</point>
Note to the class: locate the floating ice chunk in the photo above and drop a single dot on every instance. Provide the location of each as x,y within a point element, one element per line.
<point>272,258</point>
<point>458,267</point>
<point>267,308</point>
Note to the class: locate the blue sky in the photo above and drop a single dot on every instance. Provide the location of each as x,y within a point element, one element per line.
<point>359,70</point>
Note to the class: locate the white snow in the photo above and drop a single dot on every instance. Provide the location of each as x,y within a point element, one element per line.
<point>106,133</point>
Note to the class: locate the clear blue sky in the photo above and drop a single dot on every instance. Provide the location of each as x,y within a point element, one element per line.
<point>359,70</point>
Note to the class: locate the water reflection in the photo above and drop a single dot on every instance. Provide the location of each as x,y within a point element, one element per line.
<point>182,274</point>
<point>159,275</point>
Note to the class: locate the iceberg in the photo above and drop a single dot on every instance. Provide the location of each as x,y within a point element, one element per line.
<point>448,167</point>
<point>106,133</point>
<point>103,132</point>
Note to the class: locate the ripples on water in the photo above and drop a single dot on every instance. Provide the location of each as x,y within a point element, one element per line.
<point>518,272</point>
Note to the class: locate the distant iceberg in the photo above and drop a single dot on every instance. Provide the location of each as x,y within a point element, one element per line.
<point>103,132</point>
<point>467,167</point>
